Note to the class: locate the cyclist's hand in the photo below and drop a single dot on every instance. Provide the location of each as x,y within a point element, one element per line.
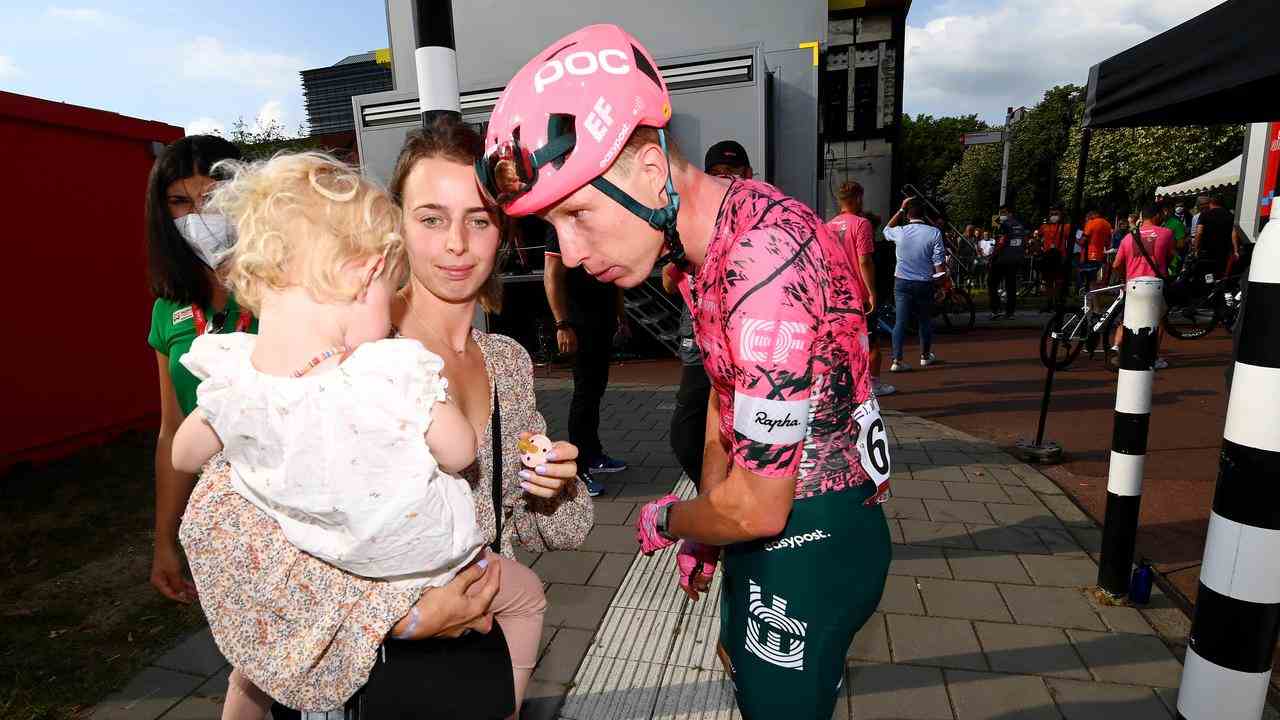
<point>697,565</point>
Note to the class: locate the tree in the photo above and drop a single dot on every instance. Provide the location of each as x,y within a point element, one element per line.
<point>1126,165</point>
<point>931,146</point>
<point>971,187</point>
<point>264,139</point>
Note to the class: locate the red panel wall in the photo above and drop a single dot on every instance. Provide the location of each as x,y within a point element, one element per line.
<point>75,302</point>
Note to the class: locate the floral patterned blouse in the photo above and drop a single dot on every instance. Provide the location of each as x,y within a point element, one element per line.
<point>306,632</point>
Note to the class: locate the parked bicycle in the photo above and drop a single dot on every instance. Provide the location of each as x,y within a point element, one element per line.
<point>1202,303</point>
<point>1083,329</point>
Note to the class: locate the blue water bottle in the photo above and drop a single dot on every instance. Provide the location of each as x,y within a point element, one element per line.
<point>1140,584</point>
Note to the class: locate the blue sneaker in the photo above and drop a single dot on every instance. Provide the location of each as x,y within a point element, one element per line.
<point>606,464</point>
<point>594,488</point>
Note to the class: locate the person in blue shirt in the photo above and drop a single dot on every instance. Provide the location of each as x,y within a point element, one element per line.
<point>921,260</point>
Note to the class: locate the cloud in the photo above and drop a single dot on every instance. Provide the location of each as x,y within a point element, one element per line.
<point>1008,54</point>
<point>205,126</point>
<point>207,58</point>
<point>83,16</point>
<point>272,111</point>
<point>8,68</point>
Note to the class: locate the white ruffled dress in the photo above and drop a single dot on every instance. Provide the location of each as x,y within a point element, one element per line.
<point>339,459</point>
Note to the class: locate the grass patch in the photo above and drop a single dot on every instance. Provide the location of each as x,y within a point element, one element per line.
<point>78,616</point>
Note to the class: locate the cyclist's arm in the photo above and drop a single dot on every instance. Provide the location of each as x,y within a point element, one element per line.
<point>745,506</point>
<point>715,456</point>
<point>867,267</point>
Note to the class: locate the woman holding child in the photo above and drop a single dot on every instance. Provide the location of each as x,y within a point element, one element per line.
<point>305,631</point>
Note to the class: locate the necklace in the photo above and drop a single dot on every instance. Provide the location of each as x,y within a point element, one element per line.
<point>427,326</point>
<point>336,350</point>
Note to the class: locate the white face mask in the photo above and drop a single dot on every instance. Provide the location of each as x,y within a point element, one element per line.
<point>1004,218</point>
<point>1054,218</point>
<point>209,235</point>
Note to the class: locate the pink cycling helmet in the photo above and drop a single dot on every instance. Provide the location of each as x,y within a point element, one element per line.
<point>565,116</point>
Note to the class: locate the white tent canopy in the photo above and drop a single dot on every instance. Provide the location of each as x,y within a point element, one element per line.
<point>1221,177</point>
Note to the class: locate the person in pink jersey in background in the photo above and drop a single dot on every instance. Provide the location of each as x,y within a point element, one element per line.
<point>856,232</point>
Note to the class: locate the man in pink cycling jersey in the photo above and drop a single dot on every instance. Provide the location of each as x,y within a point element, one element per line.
<point>796,460</point>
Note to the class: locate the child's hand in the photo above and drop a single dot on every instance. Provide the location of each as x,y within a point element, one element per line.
<point>559,468</point>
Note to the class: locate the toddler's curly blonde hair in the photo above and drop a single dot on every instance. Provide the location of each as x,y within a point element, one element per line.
<point>300,218</point>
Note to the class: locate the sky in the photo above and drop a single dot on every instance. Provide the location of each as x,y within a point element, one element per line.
<point>201,71</point>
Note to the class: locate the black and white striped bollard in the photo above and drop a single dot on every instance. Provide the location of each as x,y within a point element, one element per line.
<point>1143,302</point>
<point>1237,619</point>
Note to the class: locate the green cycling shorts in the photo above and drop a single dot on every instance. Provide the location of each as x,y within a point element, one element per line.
<point>790,605</point>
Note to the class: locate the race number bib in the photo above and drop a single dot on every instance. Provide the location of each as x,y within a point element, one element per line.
<point>1015,242</point>
<point>873,441</point>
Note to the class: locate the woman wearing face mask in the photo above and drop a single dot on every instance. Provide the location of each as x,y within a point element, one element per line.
<point>185,245</point>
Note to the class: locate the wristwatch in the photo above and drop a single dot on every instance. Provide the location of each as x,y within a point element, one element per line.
<point>564,325</point>
<point>660,523</point>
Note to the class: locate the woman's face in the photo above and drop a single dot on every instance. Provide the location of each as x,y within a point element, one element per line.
<point>187,195</point>
<point>452,238</point>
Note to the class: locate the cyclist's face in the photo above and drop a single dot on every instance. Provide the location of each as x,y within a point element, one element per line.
<point>608,240</point>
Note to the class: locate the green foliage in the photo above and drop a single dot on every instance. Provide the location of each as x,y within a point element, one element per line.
<point>1125,165</point>
<point>264,139</point>
<point>931,146</point>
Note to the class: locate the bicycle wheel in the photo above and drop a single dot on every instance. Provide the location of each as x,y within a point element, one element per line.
<point>956,311</point>
<point>1067,327</point>
<point>1195,319</point>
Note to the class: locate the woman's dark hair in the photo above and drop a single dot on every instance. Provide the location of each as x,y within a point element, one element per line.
<point>451,139</point>
<point>177,273</point>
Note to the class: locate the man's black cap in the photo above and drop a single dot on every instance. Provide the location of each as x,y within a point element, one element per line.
<point>726,152</point>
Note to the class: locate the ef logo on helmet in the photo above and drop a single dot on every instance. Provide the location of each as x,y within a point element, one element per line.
<point>583,62</point>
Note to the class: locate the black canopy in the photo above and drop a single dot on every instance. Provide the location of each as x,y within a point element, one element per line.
<point>1222,66</point>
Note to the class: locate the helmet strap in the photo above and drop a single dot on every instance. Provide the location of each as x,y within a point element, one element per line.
<point>663,218</point>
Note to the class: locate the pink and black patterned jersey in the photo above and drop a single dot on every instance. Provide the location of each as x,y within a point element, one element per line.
<point>777,310</point>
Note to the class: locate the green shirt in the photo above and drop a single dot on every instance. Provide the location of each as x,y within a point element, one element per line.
<point>1179,230</point>
<point>173,328</point>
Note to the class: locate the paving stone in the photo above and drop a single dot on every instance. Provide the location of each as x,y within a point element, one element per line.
<point>1006,538</point>
<point>1040,483</point>
<point>526,557</point>
<point>901,596</point>
<point>1056,607</point>
<point>613,688</point>
<point>694,694</point>
<point>548,633</point>
<point>950,458</point>
<point>1024,516</point>
<point>577,606</point>
<point>919,561</point>
<point>957,511</point>
<point>895,532</point>
<point>921,532</point>
<point>151,692</point>
<point>986,565</point>
<point>641,492</point>
<point>941,474</point>
<point>1061,542</point>
<point>897,692</point>
<point>1098,701</point>
<point>977,492</point>
<point>1089,539</point>
<point>197,655</point>
<point>611,538</point>
<point>985,696</point>
<point>1066,510</point>
<point>872,641</point>
<point>918,489</point>
<point>613,513</point>
<point>940,642</point>
<point>567,566</point>
<point>1127,658</point>
<point>914,457</point>
<point>1125,620</point>
<point>1061,571</point>
<point>962,599</point>
<point>611,570</point>
<point>1030,649</point>
<point>1019,495</point>
<point>542,700</point>
<point>902,507</point>
<point>563,655</point>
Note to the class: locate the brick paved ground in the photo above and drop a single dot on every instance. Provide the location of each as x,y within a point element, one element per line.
<point>985,614</point>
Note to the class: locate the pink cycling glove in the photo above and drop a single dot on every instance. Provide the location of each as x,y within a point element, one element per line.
<point>696,560</point>
<point>647,526</point>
